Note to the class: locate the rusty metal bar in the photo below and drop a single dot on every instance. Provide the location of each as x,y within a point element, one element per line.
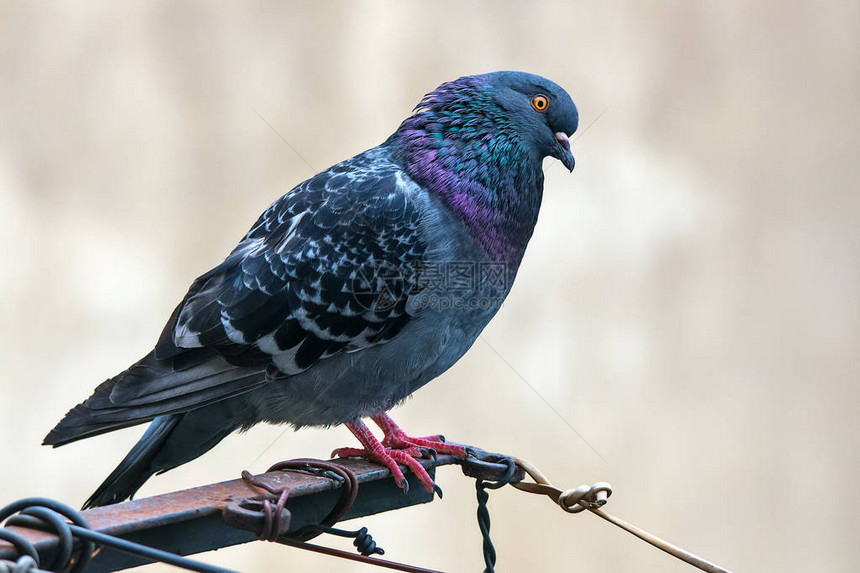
<point>189,521</point>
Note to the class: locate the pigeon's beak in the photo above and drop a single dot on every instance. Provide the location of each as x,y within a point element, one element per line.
<point>565,156</point>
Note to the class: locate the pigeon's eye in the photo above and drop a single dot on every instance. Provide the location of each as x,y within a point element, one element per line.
<point>540,102</point>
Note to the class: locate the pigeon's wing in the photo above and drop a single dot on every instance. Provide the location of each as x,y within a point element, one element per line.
<point>326,269</point>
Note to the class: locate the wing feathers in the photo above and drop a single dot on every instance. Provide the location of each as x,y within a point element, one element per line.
<point>303,285</point>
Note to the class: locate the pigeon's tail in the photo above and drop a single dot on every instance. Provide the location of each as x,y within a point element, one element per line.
<point>193,399</point>
<point>136,467</point>
<point>84,420</point>
<point>169,441</point>
<point>153,388</point>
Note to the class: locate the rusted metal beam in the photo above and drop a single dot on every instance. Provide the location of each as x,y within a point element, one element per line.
<point>189,521</point>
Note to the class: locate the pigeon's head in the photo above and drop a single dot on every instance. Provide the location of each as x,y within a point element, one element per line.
<point>541,111</point>
<point>509,117</point>
<point>479,142</point>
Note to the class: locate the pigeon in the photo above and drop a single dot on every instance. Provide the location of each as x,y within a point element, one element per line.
<point>351,291</point>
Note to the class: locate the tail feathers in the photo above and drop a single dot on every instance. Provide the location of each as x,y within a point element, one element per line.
<point>137,466</point>
<point>75,417</point>
<point>77,424</point>
<point>153,388</point>
<point>170,441</point>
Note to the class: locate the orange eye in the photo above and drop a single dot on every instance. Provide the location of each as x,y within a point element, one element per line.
<point>540,103</point>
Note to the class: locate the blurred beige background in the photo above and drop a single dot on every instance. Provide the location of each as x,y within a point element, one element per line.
<point>689,302</point>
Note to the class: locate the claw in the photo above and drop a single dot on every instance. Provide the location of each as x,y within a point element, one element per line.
<point>387,456</point>
<point>399,448</point>
<point>395,438</point>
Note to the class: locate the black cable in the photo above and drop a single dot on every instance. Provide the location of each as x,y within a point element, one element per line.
<point>481,487</point>
<point>145,551</point>
<point>362,540</point>
<point>46,515</point>
<point>59,526</point>
<point>31,509</point>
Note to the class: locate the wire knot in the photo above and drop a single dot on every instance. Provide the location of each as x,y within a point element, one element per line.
<point>362,540</point>
<point>585,497</point>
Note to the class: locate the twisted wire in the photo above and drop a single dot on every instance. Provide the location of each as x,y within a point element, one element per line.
<point>362,540</point>
<point>483,513</point>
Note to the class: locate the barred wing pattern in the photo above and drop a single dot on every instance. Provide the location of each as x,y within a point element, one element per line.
<point>306,283</point>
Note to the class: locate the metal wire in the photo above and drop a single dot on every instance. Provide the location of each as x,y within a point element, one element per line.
<point>274,516</point>
<point>77,542</point>
<point>48,515</point>
<point>331,551</point>
<point>361,539</point>
<point>593,498</point>
<point>349,491</point>
<point>25,564</point>
<point>481,487</point>
<point>148,552</point>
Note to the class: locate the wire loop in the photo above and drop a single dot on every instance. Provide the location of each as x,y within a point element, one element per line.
<point>276,519</point>
<point>584,497</point>
<point>48,515</point>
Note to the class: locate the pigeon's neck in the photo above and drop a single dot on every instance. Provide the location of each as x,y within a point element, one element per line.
<point>488,179</point>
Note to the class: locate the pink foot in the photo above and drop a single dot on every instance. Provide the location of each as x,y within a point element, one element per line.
<point>396,438</point>
<point>374,451</point>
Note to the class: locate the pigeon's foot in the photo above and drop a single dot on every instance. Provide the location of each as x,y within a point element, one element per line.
<point>389,457</point>
<point>396,438</point>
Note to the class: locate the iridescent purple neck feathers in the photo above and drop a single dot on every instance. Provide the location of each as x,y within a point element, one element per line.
<point>460,144</point>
